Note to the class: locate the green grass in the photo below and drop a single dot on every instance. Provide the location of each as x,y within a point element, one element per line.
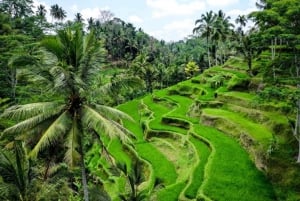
<point>236,63</point>
<point>171,193</point>
<point>256,131</point>
<point>186,165</point>
<point>231,174</point>
<point>162,167</point>
<point>197,177</point>
<point>241,95</point>
<point>218,69</point>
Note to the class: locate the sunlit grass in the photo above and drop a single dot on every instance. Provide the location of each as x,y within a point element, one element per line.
<point>231,174</point>
<point>197,176</point>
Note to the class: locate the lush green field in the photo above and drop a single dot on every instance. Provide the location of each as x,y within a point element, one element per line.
<point>191,160</point>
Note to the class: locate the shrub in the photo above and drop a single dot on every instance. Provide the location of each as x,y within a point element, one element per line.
<point>216,81</point>
<point>238,83</point>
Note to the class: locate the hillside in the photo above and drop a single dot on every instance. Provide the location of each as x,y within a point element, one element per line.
<point>208,138</point>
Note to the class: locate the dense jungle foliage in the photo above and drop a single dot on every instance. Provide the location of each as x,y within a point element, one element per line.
<point>97,109</point>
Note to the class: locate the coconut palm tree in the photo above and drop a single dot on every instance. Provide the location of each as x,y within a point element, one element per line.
<point>14,171</point>
<point>54,11</point>
<point>57,12</point>
<point>74,60</point>
<point>205,28</point>
<point>241,20</point>
<point>144,70</point>
<point>91,23</point>
<point>17,8</point>
<point>78,18</point>
<point>61,14</point>
<point>222,30</point>
<point>41,14</point>
<point>41,11</point>
<point>135,177</point>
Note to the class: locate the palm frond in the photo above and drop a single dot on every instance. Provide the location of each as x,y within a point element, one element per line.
<point>112,113</point>
<point>114,87</point>
<point>31,76</point>
<point>60,77</point>
<point>19,112</point>
<point>29,123</point>
<point>14,168</point>
<point>94,120</point>
<point>72,156</point>
<point>59,127</point>
<point>8,192</point>
<point>21,166</point>
<point>54,168</point>
<point>92,57</point>
<point>7,168</point>
<point>54,46</point>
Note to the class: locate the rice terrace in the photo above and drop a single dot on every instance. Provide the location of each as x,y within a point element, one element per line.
<point>202,106</point>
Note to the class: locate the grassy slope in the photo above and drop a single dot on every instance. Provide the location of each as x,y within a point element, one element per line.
<point>219,168</point>
<point>230,164</point>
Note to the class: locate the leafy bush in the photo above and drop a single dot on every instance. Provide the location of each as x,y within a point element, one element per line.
<point>238,83</point>
<point>216,81</point>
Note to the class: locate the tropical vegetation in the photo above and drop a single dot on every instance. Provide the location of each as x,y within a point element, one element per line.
<point>97,109</point>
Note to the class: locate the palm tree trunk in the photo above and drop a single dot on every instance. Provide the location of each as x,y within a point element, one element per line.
<point>84,181</point>
<point>296,129</point>
<point>83,174</point>
<point>208,54</point>
<point>298,158</point>
<point>297,124</point>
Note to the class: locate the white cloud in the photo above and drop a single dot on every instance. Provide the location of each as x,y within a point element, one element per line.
<point>175,30</point>
<point>221,3</point>
<point>236,12</point>
<point>174,7</point>
<point>90,12</point>
<point>135,19</point>
<point>74,8</point>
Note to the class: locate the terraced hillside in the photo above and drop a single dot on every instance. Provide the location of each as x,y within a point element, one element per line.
<point>203,139</point>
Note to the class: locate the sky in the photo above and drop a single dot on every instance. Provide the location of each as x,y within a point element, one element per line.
<point>169,20</point>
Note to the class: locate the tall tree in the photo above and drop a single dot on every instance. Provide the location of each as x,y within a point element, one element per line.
<point>41,11</point>
<point>57,12</point>
<point>17,8</point>
<point>41,15</point>
<point>78,18</point>
<point>142,68</point>
<point>91,23</point>
<point>14,170</point>
<point>73,113</point>
<point>205,28</point>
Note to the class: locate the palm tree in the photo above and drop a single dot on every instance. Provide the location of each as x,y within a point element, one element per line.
<point>142,68</point>
<point>17,8</point>
<point>205,29</point>
<point>247,48</point>
<point>73,114</point>
<point>61,14</point>
<point>78,18</point>
<point>41,11</point>
<point>135,178</point>
<point>14,170</point>
<point>241,20</point>
<point>54,11</point>
<point>91,23</point>
<point>41,14</point>
<point>57,12</point>
<point>222,29</point>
